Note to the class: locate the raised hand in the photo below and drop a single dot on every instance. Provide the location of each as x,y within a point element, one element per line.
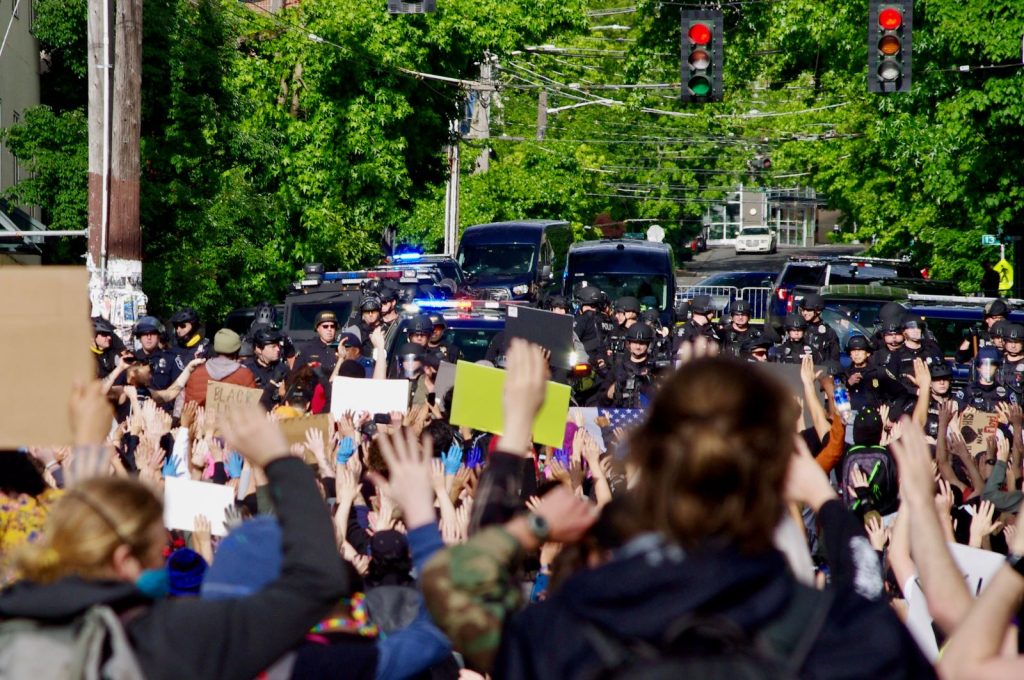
<point>188,414</point>
<point>806,482</point>
<point>567,516</point>
<point>410,476</point>
<point>249,432</point>
<point>525,391</point>
<point>876,532</point>
<point>559,473</point>
<point>202,538</point>
<point>452,459</point>
<point>982,525</point>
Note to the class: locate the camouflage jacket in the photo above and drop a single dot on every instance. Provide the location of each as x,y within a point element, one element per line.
<point>469,590</point>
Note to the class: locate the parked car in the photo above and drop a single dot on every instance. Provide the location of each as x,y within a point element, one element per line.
<point>756,240</point>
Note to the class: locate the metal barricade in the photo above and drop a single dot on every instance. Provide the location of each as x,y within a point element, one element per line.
<point>720,296</point>
<point>760,299</point>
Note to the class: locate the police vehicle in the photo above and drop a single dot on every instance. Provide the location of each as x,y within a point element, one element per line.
<point>807,274</point>
<point>470,324</point>
<point>340,293</point>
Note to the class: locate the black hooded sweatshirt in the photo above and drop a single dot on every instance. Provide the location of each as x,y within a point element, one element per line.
<point>217,639</point>
<point>645,589</point>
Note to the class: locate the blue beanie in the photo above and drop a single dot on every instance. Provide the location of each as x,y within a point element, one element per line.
<point>185,570</point>
<point>248,558</point>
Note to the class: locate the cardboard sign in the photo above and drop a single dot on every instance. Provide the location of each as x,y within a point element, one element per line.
<point>977,567</point>
<point>551,331</point>
<point>186,498</point>
<point>445,380</point>
<point>479,393</point>
<point>789,375</point>
<point>295,429</point>
<point>975,427</point>
<point>222,397</point>
<point>372,396</point>
<point>44,312</point>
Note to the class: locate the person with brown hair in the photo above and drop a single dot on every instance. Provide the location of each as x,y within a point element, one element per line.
<point>103,547</point>
<point>716,466</point>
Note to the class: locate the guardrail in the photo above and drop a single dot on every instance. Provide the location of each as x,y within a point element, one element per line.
<point>758,297</point>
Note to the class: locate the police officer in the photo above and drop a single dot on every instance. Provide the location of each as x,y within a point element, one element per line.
<point>103,347</point>
<point>1011,373</point>
<point>266,365</point>
<point>165,365</point>
<point>630,383</point>
<point>369,320</point>
<point>735,333</point>
<point>819,335</point>
<point>758,349</point>
<point>995,311</point>
<point>188,336</point>
<point>984,393</point>
<point>917,342</point>
<point>861,378</point>
<point>699,323</point>
<point>627,311</point>
<point>795,344</point>
<point>446,351</point>
<point>419,329</point>
<point>941,375</point>
<point>588,325</point>
<point>320,350</point>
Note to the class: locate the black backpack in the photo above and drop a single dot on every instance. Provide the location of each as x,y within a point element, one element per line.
<point>883,484</point>
<point>713,648</point>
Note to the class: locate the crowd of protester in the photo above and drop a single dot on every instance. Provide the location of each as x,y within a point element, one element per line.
<point>721,537</point>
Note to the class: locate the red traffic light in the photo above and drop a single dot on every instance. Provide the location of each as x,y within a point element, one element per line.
<point>890,18</point>
<point>699,34</point>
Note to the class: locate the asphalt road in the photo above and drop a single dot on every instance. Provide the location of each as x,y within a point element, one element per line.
<point>725,259</point>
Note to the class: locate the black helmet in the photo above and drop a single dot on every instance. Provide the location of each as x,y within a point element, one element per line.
<point>741,307</point>
<point>437,319</point>
<point>683,310</point>
<point>858,342</point>
<point>410,349</point>
<point>892,326</point>
<point>639,332</point>
<point>813,302</point>
<point>998,329</point>
<point>627,304</point>
<point>589,295</point>
<point>266,336</point>
<point>891,310</point>
<point>940,370</point>
<point>370,303</point>
<point>996,307</point>
<point>558,301</point>
<point>101,325</point>
<point>420,323</point>
<point>185,315</point>
<point>652,318</point>
<point>148,324</point>
<point>758,341</point>
<point>795,322</point>
<point>702,304</point>
<point>1015,332</point>
<point>988,353</point>
<point>388,292</point>
<point>911,320</point>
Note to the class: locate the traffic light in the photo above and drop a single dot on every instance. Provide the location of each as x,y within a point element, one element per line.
<point>702,55</point>
<point>889,45</point>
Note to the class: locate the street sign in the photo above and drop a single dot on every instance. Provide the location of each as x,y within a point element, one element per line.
<point>989,240</point>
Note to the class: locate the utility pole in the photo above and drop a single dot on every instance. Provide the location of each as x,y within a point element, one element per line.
<point>99,73</point>
<point>115,123</point>
<point>481,123</point>
<point>451,194</point>
<point>542,115</point>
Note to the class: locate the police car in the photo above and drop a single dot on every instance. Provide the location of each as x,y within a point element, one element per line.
<point>470,324</point>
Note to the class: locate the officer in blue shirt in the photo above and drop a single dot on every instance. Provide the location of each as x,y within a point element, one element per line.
<point>165,365</point>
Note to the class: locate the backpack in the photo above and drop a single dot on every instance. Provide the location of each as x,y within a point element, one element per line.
<point>93,646</point>
<point>713,648</point>
<point>878,466</point>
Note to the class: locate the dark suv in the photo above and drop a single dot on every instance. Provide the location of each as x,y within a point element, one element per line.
<point>803,275</point>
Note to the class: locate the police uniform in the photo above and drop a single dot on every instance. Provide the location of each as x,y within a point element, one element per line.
<point>588,330</point>
<point>984,397</point>
<point>982,337</point>
<point>793,351</point>
<point>634,384</point>
<point>196,347</point>
<point>316,351</point>
<point>733,339</point>
<point>819,335</point>
<point>691,330</point>
<point>268,378</point>
<point>446,351</point>
<point>165,367</point>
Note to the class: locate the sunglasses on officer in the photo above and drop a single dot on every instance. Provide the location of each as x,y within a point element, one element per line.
<point>327,324</point>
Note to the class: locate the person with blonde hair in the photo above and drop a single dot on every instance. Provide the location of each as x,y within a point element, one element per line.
<point>103,547</point>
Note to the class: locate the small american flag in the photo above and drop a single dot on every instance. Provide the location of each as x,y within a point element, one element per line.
<point>626,418</point>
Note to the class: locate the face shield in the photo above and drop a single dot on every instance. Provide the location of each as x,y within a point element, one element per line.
<point>411,365</point>
<point>986,370</point>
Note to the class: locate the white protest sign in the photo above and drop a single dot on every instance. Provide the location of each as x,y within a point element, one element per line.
<point>372,396</point>
<point>186,498</point>
<point>976,566</point>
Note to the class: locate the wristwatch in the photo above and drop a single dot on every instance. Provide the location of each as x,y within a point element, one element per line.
<point>1016,562</point>
<point>538,527</point>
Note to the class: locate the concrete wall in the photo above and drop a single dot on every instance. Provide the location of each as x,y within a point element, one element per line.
<point>19,78</point>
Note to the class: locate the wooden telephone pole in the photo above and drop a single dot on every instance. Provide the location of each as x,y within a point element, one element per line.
<point>115,123</point>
